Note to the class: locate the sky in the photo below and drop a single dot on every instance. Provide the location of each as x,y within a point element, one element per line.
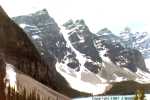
<point>98,14</point>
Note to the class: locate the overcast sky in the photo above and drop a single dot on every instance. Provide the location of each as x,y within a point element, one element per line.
<point>114,14</point>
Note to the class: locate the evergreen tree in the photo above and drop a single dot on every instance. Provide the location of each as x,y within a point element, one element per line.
<point>2,76</point>
<point>139,95</point>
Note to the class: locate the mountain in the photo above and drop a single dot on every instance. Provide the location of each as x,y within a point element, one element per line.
<point>106,34</point>
<point>88,62</point>
<point>139,41</point>
<point>17,49</point>
<point>41,28</point>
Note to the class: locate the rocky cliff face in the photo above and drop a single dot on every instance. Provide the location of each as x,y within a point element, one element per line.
<point>18,50</point>
<point>141,43</point>
<point>137,40</point>
<point>41,28</point>
<point>120,56</point>
<point>89,62</point>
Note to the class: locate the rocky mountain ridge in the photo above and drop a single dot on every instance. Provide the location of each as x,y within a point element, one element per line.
<point>79,53</point>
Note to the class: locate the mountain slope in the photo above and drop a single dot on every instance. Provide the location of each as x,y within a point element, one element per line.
<point>20,81</point>
<point>140,41</point>
<point>88,62</point>
<point>17,49</point>
<point>41,89</point>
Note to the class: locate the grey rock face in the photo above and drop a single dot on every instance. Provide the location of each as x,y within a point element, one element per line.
<point>81,38</point>
<point>138,40</point>
<point>41,28</point>
<point>124,57</point>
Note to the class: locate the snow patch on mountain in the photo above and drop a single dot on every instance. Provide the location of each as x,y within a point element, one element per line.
<point>113,71</point>
<point>119,74</point>
<point>26,25</point>
<point>147,62</point>
<point>143,77</point>
<point>36,37</point>
<point>81,85</point>
<point>119,78</point>
<point>10,76</point>
<point>81,57</point>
